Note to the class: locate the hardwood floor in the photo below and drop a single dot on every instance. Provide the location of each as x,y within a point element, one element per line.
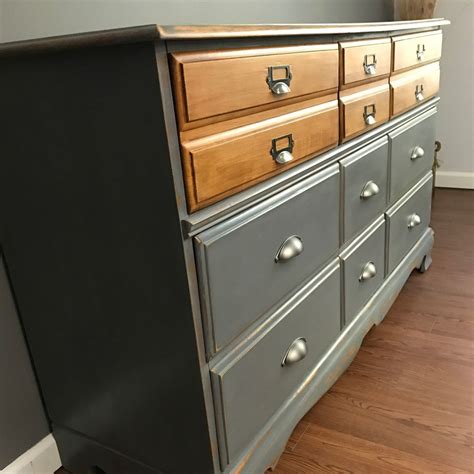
<point>406,402</point>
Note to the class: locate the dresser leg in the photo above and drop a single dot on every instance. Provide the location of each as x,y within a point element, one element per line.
<point>425,263</point>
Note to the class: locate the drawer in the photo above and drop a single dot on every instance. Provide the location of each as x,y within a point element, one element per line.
<point>365,60</point>
<point>408,219</point>
<point>363,268</point>
<point>253,383</point>
<point>223,163</point>
<point>240,274</point>
<point>364,178</point>
<point>411,153</point>
<point>212,83</point>
<point>414,87</point>
<point>363,108</point>
<point>415,50</point>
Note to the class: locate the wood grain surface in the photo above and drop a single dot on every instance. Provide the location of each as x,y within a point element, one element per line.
<point>406,402</point>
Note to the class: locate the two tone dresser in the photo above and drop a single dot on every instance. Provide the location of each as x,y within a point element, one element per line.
<point>201,224</point>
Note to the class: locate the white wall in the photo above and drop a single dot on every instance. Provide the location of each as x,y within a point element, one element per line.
<point>455,121</point>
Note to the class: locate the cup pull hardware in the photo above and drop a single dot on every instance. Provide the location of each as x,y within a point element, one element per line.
<point>282,155</point>
<point>279,86</point>
<point>369,270</point>
<point>417,152</point>
<point>296,352</point>
<point>419,92</point>
<point>369,114</point>
<point>420,52</point>
<point>370,189</point>
<point>370,64</point>
<point>413,220</point>
<point>289,249</point>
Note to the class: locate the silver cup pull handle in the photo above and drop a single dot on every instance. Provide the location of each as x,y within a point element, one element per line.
<point>369,270</point>
<point>296,352</point>
<point>413,220</point>
<point>280,85</point>
<point>417,152</point>
<point>284,157</point>
<point>289,249</point>
<point>369,114</point>
<point>370,189</point>
<point>370,64</point>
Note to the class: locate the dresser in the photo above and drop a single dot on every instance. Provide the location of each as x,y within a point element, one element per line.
<point>201,223</point>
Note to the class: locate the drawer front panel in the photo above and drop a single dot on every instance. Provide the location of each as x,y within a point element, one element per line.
<point>363,60</point>
<point>411,154</point>
<point>255,383</point>
<point>363,269</point>
<point>225,163</point>
<point>414,87</point>
<point>222,82</point>
<point>364,176</point>
<point>408,219</point>
<point>415,50</point>
<point>364,108</point>
<point>240,277</point>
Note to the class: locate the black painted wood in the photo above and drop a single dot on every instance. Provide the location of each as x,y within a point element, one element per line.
<point>91,237</point>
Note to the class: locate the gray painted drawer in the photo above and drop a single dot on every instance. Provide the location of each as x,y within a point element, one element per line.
<point>364,176</point>
<point>406,142</point>
<point>363,268</point>
<point>403,226</point>
<point>239,277</point>
<point>251,384</point>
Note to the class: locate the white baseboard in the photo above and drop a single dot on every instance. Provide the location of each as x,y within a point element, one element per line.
<point>42,458</point>
<point>454,179</point>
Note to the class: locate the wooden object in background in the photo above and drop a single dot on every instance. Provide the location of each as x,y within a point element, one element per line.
<point>414,9</point>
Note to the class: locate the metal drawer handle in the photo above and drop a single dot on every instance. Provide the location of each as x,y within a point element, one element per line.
<point>370,64</point>
<point>419,92</point>
<point>296,352</point>
<point>279,86</point>
<point>370,189</point>
<point>289,249</point>
<point>283,154</point>
<point>369,114</point>
<point>417,152</point>
<point>369,270</point>
<point>413,220</point>
<point>420,52</point>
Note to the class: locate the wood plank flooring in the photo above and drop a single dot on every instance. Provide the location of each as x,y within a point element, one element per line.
<point>406,402</point>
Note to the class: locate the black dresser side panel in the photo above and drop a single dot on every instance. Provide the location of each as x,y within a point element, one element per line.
<point>91,237</point>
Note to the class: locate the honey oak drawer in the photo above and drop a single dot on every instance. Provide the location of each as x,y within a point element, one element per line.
<point>363,60</point>
<point>363,268</point>
<point>411,153</point>
<point>416,49</point>
<point>414,87</point>
<point>408,219</point>
<point>223,163</point>
<point>253,382</point>
<point>364,107</point>
<point>250,262</point>
<point>208,84</point>
<point>364,183</point>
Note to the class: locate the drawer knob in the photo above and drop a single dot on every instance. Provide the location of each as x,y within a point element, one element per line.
<point>369,270</point>
<point>282,148</point>
<point>370,64</point>
<point>296,352</point>
<point>417,152</point>
<point>413,220</point>
<point>369,114</point>
<point>279,86</point>
<point>289,249</point>
<point>283,157</point>
<point>370,189</point>
<point>420,52</point>
<point>419,92</point>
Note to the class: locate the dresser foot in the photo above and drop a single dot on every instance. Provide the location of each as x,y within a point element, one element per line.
<point>425,263</point>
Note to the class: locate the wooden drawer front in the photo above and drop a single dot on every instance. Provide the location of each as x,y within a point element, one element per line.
<point>411,153</point>
<point>215,83</point>
<point>240,278</point>
<point>408,219</point>
<point>415,50</point>
<point>253,384</point>
<point>363,265</point>
<point>365,60</point>
<point>227,162</point>
<point>406,87</point>
<point>364,177</point>
<point>361,103</point>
